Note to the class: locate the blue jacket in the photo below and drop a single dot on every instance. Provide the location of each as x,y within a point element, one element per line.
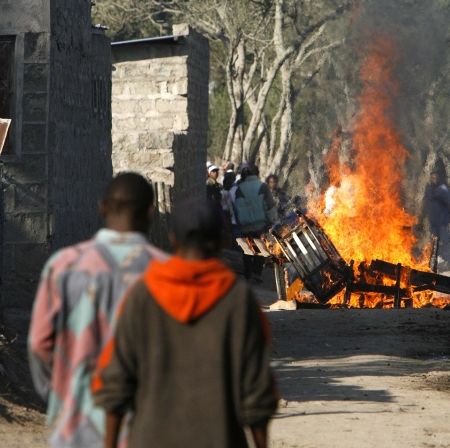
<point>254,206</point>
<point>437,205</point>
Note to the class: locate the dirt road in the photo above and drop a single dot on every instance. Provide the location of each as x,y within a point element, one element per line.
<point>362,378</point>
<point>348,378</point>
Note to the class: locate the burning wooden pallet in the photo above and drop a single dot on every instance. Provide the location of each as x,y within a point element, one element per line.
<point>300,241</point>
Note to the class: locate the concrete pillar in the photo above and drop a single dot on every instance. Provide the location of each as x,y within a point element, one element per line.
<point>160,115</point>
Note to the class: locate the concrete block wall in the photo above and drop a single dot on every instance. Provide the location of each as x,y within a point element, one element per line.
<point>149,109</point>
<point>190,148</point>
<point>160,116</point>
<point>79,122</point>
<point>51,183</point>
<point>24,175</point>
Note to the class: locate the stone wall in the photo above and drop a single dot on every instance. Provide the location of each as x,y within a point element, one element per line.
<point>160,116</point>
<point>190,153</point>
<point>24,208</point>
<point>61,158</point>
<point>79,122</point>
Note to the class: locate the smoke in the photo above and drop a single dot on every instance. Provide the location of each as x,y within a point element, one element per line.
<point>420,31</point>
<point>421,105</point>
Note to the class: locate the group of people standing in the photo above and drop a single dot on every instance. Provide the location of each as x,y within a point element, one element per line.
<point>131,346</point>
<point>249,205</point>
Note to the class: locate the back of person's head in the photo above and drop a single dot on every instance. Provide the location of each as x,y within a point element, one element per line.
<point>270,177</point>
<point>248,169</point>
<point>229,179</point>
<point>197,225</point>
<point>129,196</point>
<point>244,170</point>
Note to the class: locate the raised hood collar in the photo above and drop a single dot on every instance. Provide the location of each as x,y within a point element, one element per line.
<point>187,289</point>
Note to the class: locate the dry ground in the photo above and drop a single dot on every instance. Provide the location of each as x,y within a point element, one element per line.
<point>22,422</point>
<point>362,378</point>
<point>348,378</point>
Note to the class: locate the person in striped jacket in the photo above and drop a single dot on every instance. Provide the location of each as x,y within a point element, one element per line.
<point>74,312</point>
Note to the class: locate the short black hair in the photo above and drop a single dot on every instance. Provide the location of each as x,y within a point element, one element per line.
<point>129,193</point>
<point>271,176</point>
<point>249,169</point>
<point>228,180</point>
<point>198,224</point>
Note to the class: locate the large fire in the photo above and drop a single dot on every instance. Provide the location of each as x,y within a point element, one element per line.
<point>362,211</point>
<point>364,216</point>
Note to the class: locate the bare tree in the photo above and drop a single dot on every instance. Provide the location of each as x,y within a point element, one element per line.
<point>278,156</point>
<point>265,43</point>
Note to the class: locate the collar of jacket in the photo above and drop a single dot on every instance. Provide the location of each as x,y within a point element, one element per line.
<point>109,236</point>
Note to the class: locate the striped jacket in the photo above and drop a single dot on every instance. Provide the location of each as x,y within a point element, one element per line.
<point>73,317</point>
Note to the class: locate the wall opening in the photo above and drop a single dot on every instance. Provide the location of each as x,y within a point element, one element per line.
<point>7,52</point>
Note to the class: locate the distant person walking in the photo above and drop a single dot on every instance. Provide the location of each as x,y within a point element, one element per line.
<point>75,307</point>
<point>191,353</point>
<point>280,197</point>
<point>213,187</point>
<point>255,211</point>
<point>437,209</point>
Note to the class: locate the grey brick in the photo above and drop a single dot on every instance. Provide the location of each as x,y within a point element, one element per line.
<point>33,138</point>
<point>35,106</point>
<point>35,77</point>
<point>36,47</point>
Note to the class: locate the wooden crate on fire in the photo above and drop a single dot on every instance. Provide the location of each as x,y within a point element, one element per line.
<point>300,241</point>
<point>321,268</point>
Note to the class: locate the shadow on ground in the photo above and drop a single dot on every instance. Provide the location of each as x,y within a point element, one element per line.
<point>405,333</point>
<point>324,355</point>
<point>337,379</point>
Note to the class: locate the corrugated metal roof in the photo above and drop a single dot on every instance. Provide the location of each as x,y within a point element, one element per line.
<point>148,40</point>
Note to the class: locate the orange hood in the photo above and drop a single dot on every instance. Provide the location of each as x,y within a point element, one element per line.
<point>187,289</point>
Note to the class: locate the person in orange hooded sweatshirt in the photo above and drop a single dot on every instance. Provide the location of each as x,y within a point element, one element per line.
<point>191,352</point>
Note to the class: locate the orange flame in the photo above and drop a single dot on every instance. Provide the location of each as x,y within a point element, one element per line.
<point>362,210</point>
<point>366,219</point>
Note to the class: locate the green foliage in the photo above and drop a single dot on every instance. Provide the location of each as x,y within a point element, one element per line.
<point>219,115</point>
<point>130,19</point>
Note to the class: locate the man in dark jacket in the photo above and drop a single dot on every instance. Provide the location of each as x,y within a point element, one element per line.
<point>437,209</point>
<point>191,352</point>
